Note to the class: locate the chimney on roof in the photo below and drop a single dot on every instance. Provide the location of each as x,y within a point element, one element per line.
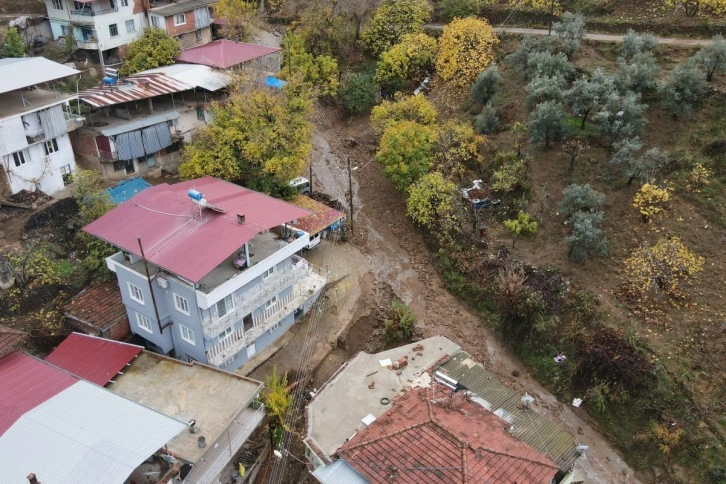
<point>240,218</point>
<point>33,480</point>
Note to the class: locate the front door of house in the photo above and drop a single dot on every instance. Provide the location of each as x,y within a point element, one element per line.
<point>251,351</point>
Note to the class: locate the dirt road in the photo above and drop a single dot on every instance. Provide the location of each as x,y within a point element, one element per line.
<point>401,265</point>
<point>594,36</point>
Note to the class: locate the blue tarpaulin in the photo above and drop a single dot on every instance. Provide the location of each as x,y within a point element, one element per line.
<point>126,189</point>
<point>274,82</point>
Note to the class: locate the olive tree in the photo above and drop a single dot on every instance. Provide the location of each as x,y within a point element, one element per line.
<point>622,116</point>
<point>546,123</point>
<point>638,73</point>
<point>713,56</point>
<point>683,89</point>
<point>586,238</point>
<point>587,94</point>
<point>580,198</point>
<point>571,29</point>
<point>544,88</point>
<point>635,43</point>
<point>486,85</point>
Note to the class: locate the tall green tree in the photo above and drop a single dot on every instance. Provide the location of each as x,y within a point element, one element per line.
<point>546,123</point>
<point>13,45</point>
<point>154,49</point>
<point>587,94</point>
<point>406,151</point>
<point>358,92</point>
<point>393,19</point>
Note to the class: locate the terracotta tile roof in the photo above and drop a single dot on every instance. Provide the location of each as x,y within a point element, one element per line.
<point>10,339</point>
<point>321,218</point>
<point>451,440</point>
<point>99,306</point>
<point>95,359</point>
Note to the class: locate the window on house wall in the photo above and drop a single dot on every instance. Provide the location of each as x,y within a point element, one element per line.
<point>20,158</point>
<point>66,174</point>
<point>58,5</point>
<point>64,30</point>
<point>228,361</point>
<point>51,146</point>
<point>124,3</point>
<point>80,6</point>
<point>113,30</point>
<point>130,26</point>
<point>181,304</point>
<point>144,323</point>
<point>154,21</point>
<point>200,114</point>
<point>274,327</point>
<point>186,334</point>
<point>136,293</point>
<point>247,323</point>
<point>268,272</point>
<point>271,302</point>
<point>179,19</point>
<point>225,334</point>
<point>224,306</point>
<point>119,165</point>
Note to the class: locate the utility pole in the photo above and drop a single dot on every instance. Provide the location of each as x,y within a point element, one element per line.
<point>350,190</point>
<point>311,175</point>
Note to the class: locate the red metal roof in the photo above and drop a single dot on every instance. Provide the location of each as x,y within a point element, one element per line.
<point>224,53</point>
<point>451,440</point>
<point>173,235</point>
<point>97,360</point>
<point>99,306</point>
<point>321,218</point>
<point>133,88</point>
<point>25,383</point>
<point>10,339</point>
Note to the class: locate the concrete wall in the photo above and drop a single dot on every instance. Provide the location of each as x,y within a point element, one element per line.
<point>189,39</point>
<point>183,349</point>
<point>40,171</point>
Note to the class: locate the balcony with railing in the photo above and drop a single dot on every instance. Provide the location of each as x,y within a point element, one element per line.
<point>303,289</point>
<point>86,11</point>
<point>254,298</point>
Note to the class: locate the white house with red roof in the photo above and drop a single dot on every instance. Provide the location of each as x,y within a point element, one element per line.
<point>208,270</point>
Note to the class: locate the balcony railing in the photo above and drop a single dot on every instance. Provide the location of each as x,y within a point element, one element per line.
<point>240,339</point>
<point>107,155</point>
<point>255,297</point>
<point>86,12</point>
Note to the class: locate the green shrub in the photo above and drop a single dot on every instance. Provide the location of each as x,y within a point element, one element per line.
<point>487,120</point>
<point>400,326</point>
<point>358,92</point>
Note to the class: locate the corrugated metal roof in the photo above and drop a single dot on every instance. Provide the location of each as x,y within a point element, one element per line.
<point>338,472</point>
<point>225,53</point>
<point>180,7</point>
<point>195,75</point>
<point>529,426</point>
<point>26,383</point>
<point>10,339</point>
<point>132,88</point>
<point>94,359</point>
<point>138,123</point>
<point>321,218</point>
<point>184,244</point>
<point>127,189</point>
<point>84,435</point>
<point>22,72</point>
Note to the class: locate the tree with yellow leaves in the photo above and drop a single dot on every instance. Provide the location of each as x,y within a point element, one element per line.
<point>393,19</point>
<point>663,266</point>
<point>650,200</point>
<point>409,60</point>
<point>411,108</point>
<point>457,149</point>
<point>240,17</point>
<point>466,47</point>
<point>692,7</point>
<point>261,138</point>
<point>406,151</point>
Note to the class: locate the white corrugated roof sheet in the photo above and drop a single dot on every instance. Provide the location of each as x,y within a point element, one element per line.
<point>84,434</point>
<point>22,72</point>
<point>338,472</point>
<point>194,75</point>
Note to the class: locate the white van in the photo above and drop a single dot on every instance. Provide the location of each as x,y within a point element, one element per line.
<point>314,241</point>
<point>301,184</point>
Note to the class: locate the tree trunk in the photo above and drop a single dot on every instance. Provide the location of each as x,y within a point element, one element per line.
<point>514,241</point>
<point>584,118</point>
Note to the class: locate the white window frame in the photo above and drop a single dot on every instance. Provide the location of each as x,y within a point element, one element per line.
<point>271,302</point>
<point>187,335</point>
<point>181,304</point>
<point>144,323</point>
<point>228,306</point>
<point>274,327</point>
<point>155,21</point>
<point>136,293</point>
<point>268,272</point>
<point>51,146</point>
<point>225,334</point>
<point>228,361</point>
<point>58,4</point>
<point>131,23</point>
<point>176,19</point>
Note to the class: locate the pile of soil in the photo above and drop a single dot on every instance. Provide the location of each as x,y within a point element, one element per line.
<point>326,199</point>
<point>60,214</point>
<point>29,198</point>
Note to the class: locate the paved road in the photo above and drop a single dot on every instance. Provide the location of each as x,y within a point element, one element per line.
<point>595,37</point>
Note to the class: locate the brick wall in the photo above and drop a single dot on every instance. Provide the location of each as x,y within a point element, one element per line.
<point>83,142</point>
<point>175,30</point>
